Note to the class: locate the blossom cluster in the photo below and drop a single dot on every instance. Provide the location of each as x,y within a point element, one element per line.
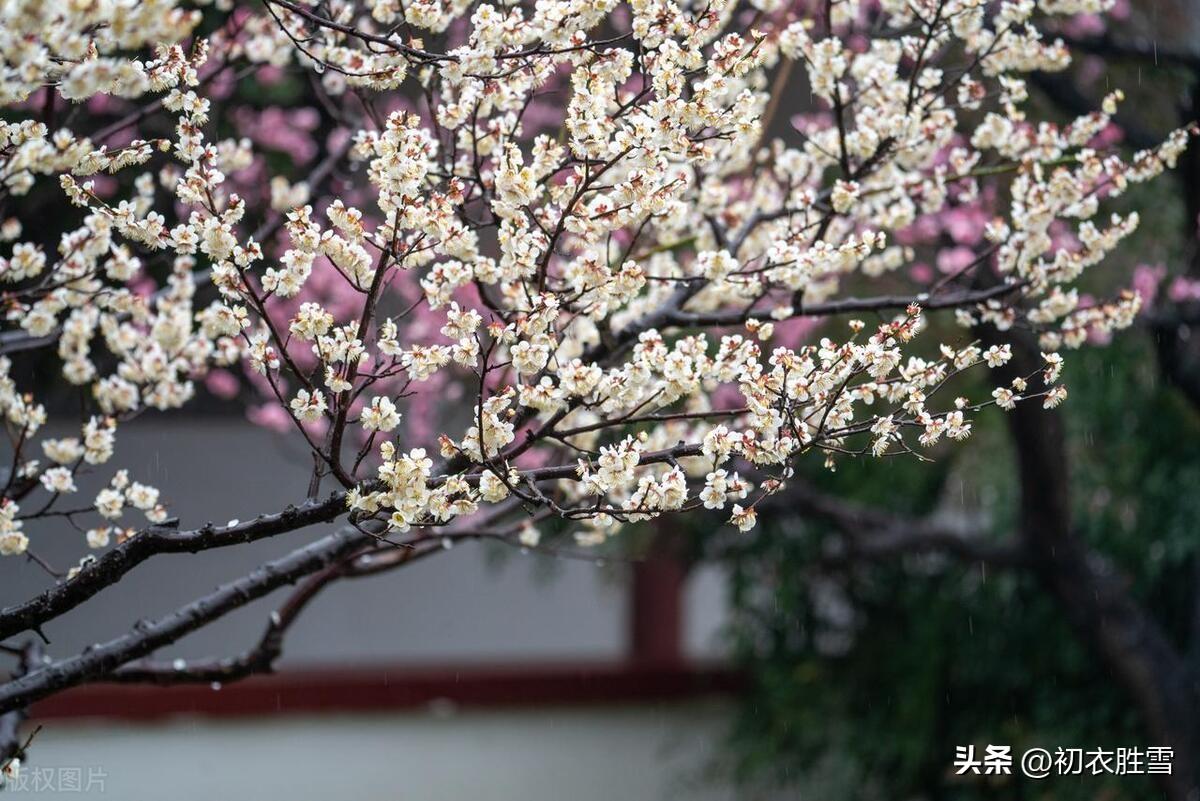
<point>575,221</point>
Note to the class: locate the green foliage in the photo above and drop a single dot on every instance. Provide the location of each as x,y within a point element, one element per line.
<point>866,677</point>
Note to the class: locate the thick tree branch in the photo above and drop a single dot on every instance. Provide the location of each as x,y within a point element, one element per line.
<point>262,657</point>
<point>379,555</point>
<point>872,533</point>
<point>1175,343</point>
<point>10,722</point>
<point>149,636</point>
<point>1091,592</point>
<point>115,563</point>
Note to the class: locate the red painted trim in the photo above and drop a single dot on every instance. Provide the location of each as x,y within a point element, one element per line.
<point>383,689</point>
<point>656,610</point>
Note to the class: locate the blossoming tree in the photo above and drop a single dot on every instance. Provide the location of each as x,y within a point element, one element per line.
<point>581,217</point>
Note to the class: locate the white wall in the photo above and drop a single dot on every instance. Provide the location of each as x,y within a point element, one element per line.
<point>624,754</point>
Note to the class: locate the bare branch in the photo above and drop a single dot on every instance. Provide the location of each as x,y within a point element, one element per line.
<point>115,563</point>
<point>873,533</point>
<point>11,746</point>
<point>149,636</point>
<point>262,657</point>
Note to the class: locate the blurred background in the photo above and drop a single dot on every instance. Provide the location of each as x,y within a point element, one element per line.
<point>842,651</point>
<point>525,672</point>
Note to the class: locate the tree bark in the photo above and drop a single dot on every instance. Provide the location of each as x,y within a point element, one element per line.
<point>1093,596</point>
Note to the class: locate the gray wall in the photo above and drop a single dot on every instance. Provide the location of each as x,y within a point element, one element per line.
<point>476,603</point>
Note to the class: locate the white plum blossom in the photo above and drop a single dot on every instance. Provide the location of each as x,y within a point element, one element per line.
<point>308,406</point>
<point>582,310</point>
<point>743,518</point>
<point>997,355</point>
<point>381,415</point>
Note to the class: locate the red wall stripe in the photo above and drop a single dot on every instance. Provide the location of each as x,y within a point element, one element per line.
<point>380,689</point>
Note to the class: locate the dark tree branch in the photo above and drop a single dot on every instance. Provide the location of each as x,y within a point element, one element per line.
<point>1177,346</point>
<point>847,306</point>
<point>1091,592</point>
<point>10,722</point>
<point>149,636</point>
<point>1134,50</point>
<point>262,657</point>
<point>114,564</point>
<point>259,659</point>
<point>872,533</point>
<point>377,556</point>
